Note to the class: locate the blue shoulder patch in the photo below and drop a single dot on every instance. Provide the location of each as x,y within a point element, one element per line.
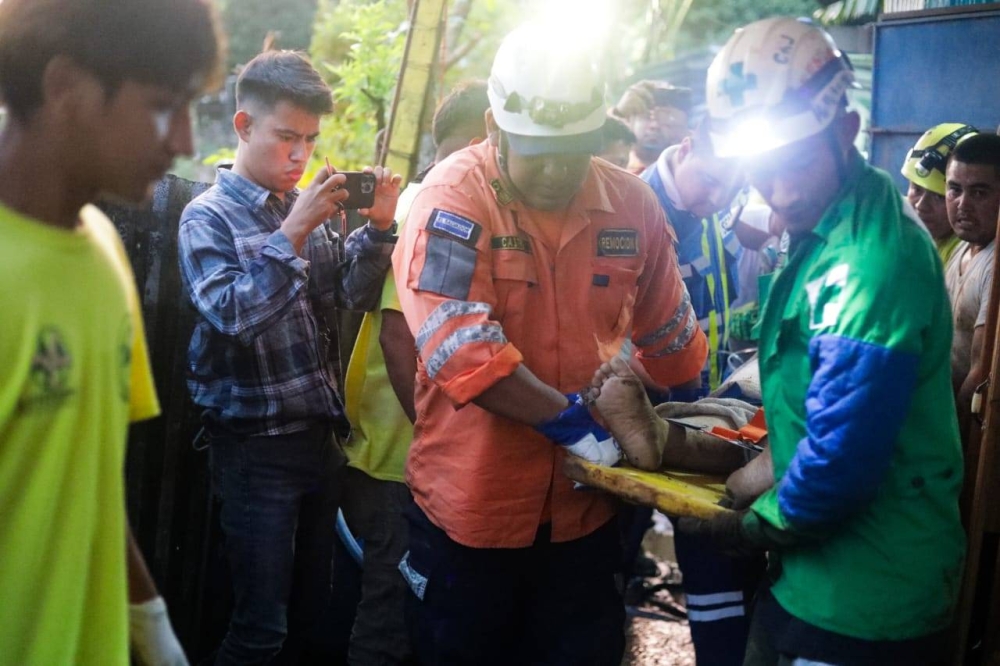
<point>454,226</point>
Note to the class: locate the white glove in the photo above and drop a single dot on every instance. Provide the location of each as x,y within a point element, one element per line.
<point>605,452</point>
<point>152,637</point>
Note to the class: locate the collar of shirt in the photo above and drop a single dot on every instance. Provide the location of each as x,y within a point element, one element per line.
<point>250,194</point>
<point>667,177</point>
<point>845,198</point>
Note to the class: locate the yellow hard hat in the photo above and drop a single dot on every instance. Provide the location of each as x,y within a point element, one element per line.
<point>926,162</point>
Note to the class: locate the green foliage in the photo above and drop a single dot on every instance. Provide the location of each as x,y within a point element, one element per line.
<point>712,21</point>
<point>357,47</point>
<point>247,23</point>
<point>849,12</point>
<point>220,155</point>
<point>475,30</point>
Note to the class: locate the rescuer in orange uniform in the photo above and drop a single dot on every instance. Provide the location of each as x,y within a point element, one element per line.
<point>524,264</point>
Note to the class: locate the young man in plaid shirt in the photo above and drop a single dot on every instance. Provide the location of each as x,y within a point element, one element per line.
<point>266,272</point>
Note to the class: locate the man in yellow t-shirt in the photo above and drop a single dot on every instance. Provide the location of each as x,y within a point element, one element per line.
<point>81,121</point>
<point>379,403</point>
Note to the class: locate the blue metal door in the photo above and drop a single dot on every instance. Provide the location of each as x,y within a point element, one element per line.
<point>931,68</point>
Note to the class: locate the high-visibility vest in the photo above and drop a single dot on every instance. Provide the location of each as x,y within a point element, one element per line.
<point>707,255</point>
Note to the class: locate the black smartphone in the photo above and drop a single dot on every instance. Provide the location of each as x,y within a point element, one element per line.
<point>360,187</point>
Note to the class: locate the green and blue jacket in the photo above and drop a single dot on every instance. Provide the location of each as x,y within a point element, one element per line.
<point>855,337</point>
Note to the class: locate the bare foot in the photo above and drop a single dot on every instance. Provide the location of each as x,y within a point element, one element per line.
<point>627,413</point>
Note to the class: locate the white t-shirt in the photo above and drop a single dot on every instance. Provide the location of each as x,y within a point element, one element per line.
<point>754,263</point>
<point>969,291</point>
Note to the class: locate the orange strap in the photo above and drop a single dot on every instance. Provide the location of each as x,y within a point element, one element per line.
<point>752,432</point>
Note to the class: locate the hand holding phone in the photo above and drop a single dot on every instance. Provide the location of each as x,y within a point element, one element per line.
<point>316,203</point>
<point>382,212</point>
<point>360,188</point>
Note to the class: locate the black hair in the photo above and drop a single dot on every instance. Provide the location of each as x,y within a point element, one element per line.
<point>283,76</point>
<point>642,97</point>
<point>161,42</point>
<point>615,129</point>
<point>981,148</point>
<point>465,106</point>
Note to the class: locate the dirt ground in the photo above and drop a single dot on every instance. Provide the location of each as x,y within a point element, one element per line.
<point>658,642</point>
<point>654,635</point>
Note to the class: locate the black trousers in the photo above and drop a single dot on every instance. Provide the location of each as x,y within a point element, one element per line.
<point>549,603</point>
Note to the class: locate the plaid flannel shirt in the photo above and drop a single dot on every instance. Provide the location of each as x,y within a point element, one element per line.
<point>259,360</point>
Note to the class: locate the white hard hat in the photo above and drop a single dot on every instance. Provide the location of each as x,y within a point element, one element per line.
<point>775,82</point>
<point>546,95</point>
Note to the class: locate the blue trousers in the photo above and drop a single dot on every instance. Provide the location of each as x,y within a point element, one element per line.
<point>279,504</point>
<point>719,591</point>
<point>550,603</point>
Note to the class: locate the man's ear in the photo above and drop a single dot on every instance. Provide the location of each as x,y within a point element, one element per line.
<point>68,89</point>
<point>242,123</point>
<point>847,129</point>
<point>492,129</point>
<point>684,149</point>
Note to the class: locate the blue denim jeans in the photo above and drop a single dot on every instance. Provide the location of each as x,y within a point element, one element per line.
<point>279,499</point>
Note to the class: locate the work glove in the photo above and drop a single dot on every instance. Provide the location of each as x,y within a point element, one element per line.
<point>726,530</point>
<point>742,533</point>
<point>152,637</point>
<point>575,429</point>
<point>742,324</point>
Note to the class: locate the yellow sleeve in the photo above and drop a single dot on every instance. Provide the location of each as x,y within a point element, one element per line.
<point>390,297</point>
<point>143,403</point>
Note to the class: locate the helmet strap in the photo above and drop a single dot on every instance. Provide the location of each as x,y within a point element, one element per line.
<point>838,155</point>
<point>503,148</point>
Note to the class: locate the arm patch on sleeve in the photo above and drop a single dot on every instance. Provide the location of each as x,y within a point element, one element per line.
<point>454,226</point>
<point>448,267</point>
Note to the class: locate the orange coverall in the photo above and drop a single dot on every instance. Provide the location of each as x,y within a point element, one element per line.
<point>483,293</point>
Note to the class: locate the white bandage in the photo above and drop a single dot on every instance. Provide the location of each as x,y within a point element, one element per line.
<point>152,637</point>
<point>604,452</point>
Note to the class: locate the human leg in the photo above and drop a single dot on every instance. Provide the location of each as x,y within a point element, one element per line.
<point>310,598</point>
<point>575,614</point>
<point>719,591</point>
<point>463,602</point>
<point>778,637</point>
<point>261,482</point>
<point>373,510</point>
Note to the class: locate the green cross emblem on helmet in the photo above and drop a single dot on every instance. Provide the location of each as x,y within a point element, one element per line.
<point>737,83</point>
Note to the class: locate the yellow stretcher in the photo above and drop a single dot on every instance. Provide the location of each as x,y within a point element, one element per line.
<point>672,492</point>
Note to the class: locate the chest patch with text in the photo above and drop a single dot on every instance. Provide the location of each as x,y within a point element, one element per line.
<point>517,243</point>
<point>618,243</point>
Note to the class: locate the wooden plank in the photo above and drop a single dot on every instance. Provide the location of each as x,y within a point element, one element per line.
<point>991,635</point>
<point>982,480</point>
<point>413,90</point>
